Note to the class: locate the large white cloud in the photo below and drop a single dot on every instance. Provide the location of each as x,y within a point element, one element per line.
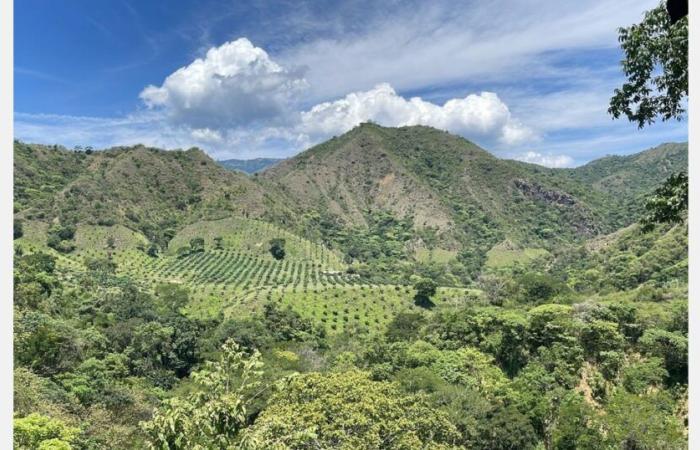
<point>557,161</point>
<point>233,85</point>
<point>482,115</point>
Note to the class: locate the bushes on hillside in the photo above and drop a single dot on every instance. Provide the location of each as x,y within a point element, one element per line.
<point>60,238</point>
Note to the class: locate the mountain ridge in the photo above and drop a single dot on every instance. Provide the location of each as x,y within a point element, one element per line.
<point>439,191</point>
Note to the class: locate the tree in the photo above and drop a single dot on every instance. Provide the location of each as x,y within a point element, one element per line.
<point>507,428</point>
<point>668,204</point>
<point>172,297</point>
<point>213,415</point>
<point>672,348</point>
<point>470,367</point>
<point>425,289</point>
<point>601,336</point>
<point>550,324</point>
<point>46,346</point>
<point>643,422</point>
<point>656,67</point>
<point>404,326</point>
<point>287,325</point>
<point>277,248</point>
<point>641,375</point>
<point>197,245</point>
<point>59,237</point>
<point>494,286</point>
<point>168,235</point>
<point>218,240</point>
<point>576,425</point>
<point>103,265</point>
<point>348,410</point>
<point>40,432</point>
<point>539,288</point>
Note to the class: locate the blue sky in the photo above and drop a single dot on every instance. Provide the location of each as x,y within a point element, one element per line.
<point>524,79</point>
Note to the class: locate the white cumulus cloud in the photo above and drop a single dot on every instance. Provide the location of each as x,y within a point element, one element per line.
<point>556,161</point>
<point>476,115</point>
<point>233,85</point>
<point>206,135</point>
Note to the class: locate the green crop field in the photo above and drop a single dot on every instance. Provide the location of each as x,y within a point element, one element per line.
<point>351,307</point>
<point>252,237</point>
<point>241,276</point>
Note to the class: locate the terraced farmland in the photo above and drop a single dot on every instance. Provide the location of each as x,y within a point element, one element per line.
<point>227,277</point>
<point>237,275</point>
<point>252,237</point>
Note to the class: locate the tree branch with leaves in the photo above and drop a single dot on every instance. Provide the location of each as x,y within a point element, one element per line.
<point>656,67</point>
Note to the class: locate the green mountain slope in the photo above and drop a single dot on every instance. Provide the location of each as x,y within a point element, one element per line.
<point>631,178</point>
<point>145,189</point>
<point>406,196</point>
<point>468,199</point>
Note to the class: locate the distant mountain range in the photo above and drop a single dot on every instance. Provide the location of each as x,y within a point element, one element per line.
<point>249,166</point>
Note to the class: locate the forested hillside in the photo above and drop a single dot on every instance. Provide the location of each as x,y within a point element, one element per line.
<point>392,288</point>
<point>457,200</point>
<point>145,189</point>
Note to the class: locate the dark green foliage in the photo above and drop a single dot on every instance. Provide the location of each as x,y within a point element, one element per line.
<point>46,345</point>
<point>656,67</point>
<point>196,245</point>
<point>288,325</point>
<point>668,204</point>
<point>171,297</point>
<point>538,288</point>
<point>638,377</point>
<point>577,426</point>
<point>641,422</point>
<point>60,238</point>
<point>601,336</point>
<point>17,229</point>
<point>425,290</point>
<point>405,326</point>
<point>104,265</point>
<point>277,248</point>
<point>672,347</point>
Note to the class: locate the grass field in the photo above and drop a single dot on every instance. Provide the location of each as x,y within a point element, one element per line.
<point>506,257</point>
<point>438,255</point>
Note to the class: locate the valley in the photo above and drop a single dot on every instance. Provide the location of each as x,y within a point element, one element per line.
<point>484,289</point>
